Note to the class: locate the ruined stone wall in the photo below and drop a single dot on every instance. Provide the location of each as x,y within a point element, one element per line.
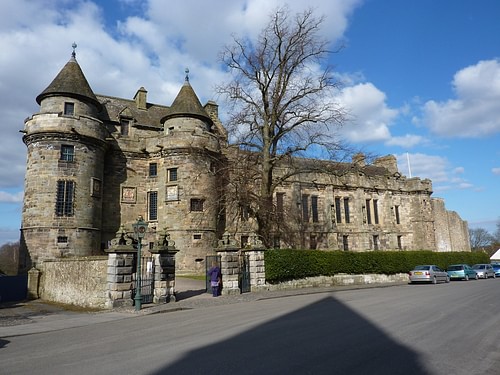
<point>359,210</point>
<point>451,232</point>
<point>76,281</point>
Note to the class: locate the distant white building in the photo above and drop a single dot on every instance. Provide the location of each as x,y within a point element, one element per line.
<point>496,257</point>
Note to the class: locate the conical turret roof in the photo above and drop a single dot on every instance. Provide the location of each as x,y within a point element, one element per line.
<point>187,104</point>
<point>70,82</point>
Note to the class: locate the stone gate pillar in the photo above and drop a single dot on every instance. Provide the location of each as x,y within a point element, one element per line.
<point>228,250</point>
<point>164,254</point>
<point>120,269</point>
<point>255,251</point>
<point>257,270</point>
<point>119,277</point>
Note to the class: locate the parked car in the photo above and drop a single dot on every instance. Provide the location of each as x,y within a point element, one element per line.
<point>461,272</point>
<point>484,270</point>
<point>429,273</point>
<point>496,268</point>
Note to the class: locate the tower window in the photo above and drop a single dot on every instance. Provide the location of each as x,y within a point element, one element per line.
<point>65,197</point>
<point>69,109</point>
<point>346,211</point>
<point>396,212</point>
<point>62,239</point>
<point>314,210</point>
<point>313,242</point>
<point>153,205</point>
<point>345,243</point>
<point>153,169</point>
<point>280,204</point>
<point>172,174</point>
<point>196,204</point>
<point>338,212</point>
<point>375,210</point>
<point>305,208</point>
<point>243,241</point>
<point>244,212</point>
<point>67,153</point>
<point>368,212</point>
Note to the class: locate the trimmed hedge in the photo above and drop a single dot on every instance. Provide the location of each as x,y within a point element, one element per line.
<point>283,265</point>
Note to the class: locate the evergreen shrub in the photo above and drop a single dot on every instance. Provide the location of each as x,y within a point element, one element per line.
<point>283,265</point>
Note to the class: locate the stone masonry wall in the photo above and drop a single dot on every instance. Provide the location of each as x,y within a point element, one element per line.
<point>75,281</point>
<point>451,231</point>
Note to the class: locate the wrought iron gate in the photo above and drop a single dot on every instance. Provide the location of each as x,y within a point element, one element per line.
<point>244,278</point>
<point>147,280</point>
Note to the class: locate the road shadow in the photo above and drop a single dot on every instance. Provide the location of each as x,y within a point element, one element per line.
<point>3,343</point>
<point>188,288</point>
<point>326,337</point>
<point>179,296</point>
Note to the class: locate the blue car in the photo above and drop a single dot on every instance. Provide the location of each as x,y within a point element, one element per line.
<point>496,268</point>
<point>461,272</point>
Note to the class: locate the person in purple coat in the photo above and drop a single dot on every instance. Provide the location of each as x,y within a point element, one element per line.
<point>215,279</point>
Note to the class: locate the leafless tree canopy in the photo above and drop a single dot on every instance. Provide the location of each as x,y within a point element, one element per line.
<point>480,238</point>
<point>281,97</point>
<point>281,94</point>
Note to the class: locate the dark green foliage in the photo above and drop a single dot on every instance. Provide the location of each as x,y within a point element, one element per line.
<point>282,265</point>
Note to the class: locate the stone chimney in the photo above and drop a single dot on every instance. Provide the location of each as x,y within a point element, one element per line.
<point>212,109</point>
<point>389,162</point>
<point>359,159</point>
<point>140,98</point>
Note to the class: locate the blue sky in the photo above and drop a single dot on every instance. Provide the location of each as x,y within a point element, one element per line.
<point>421,78</point>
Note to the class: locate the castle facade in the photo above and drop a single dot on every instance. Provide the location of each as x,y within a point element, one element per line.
<point>95,163</point>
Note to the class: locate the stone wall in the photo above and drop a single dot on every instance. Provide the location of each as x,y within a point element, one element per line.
<point>339,280</point>
<point>75,281</point>
<point>451,232</point>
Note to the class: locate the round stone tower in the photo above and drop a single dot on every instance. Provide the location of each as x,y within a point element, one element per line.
<point>66,144</point>
<point>191,157</point>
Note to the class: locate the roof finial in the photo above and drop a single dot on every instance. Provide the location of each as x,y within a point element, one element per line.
<point>187,74</point>
<point>73,54</point>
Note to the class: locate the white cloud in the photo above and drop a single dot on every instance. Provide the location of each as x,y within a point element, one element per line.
<point>496,171</point>
<point>370,117</point>
<point>407,141</point>
<point>6,197</point>
<point>475,111</point>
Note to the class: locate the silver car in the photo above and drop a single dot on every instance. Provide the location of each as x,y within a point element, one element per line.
<point>429,273</point>
<point>484,270</point>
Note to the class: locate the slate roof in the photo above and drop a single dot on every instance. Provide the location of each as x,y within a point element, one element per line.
<point>187,104</point>
<point>114,108</point>
<point>70,82</point>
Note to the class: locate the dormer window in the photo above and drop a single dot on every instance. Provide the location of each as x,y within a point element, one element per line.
<point>69,109</point>
<point>124,127</point>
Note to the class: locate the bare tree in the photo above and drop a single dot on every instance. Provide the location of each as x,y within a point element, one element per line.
<point>480,239</point>
<point>9,258</point>
<point>282,102</point>
<point>497,233</point>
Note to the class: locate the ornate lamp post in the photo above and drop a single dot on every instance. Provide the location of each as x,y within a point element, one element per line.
<point>140,228</point>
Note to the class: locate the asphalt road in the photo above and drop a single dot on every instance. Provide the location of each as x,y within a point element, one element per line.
<point>410,329</point>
